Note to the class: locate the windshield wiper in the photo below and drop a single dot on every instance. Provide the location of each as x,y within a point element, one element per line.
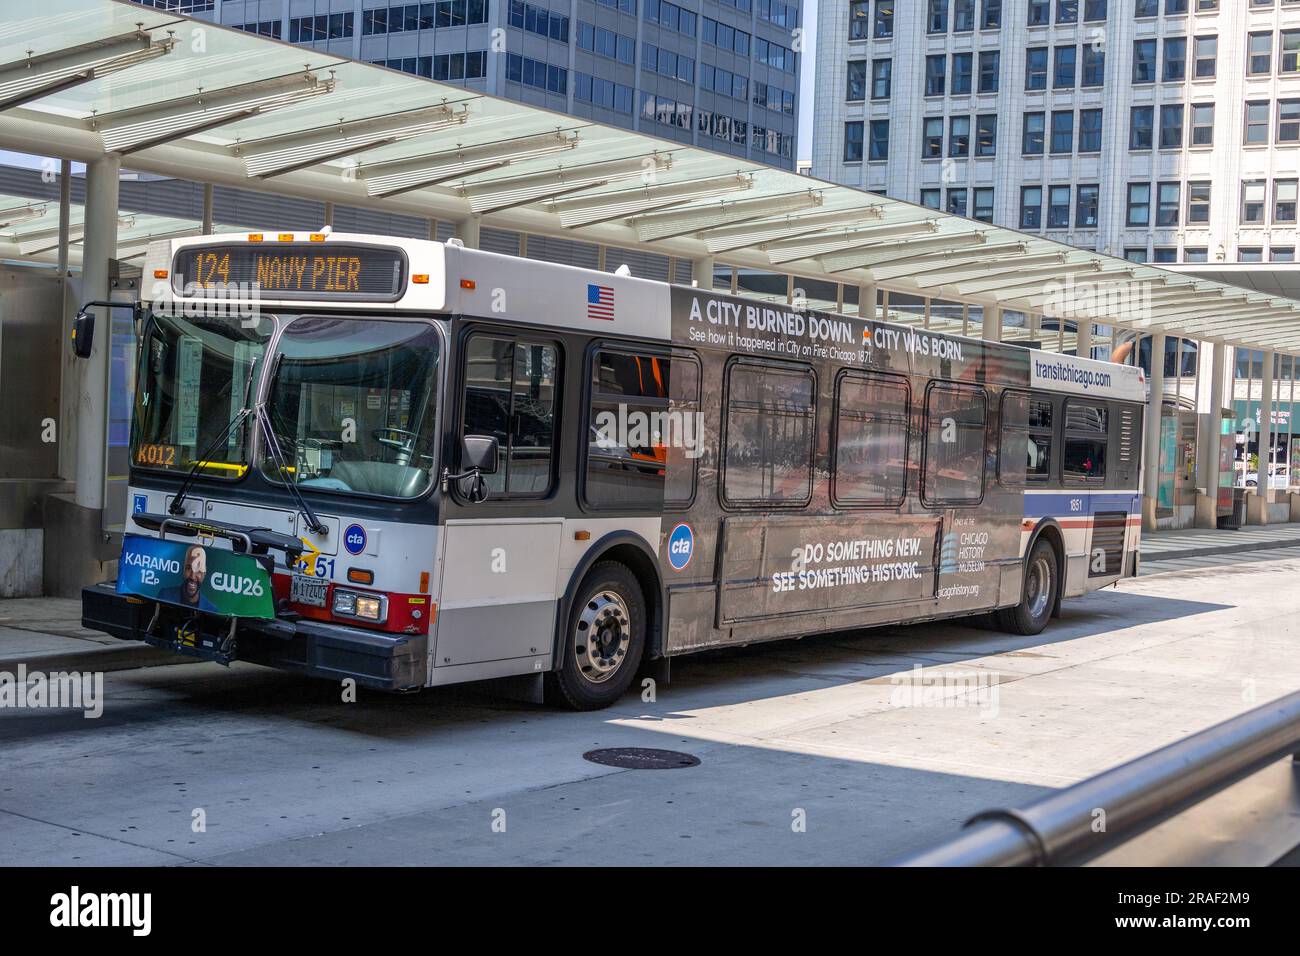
<point>263,418</point>
<point>177,507</point>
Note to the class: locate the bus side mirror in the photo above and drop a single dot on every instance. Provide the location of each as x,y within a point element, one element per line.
<point>479,453</point>
<point>83,334</point>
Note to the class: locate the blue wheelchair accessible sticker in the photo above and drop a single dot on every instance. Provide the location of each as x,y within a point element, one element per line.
<point>681,546</point>
<point>139,504</point>
<point>354,539</point>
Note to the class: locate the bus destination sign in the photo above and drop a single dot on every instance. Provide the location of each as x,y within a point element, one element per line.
<point>291,271</point>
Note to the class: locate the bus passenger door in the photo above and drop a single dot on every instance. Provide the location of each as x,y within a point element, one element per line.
<point>498,596</point>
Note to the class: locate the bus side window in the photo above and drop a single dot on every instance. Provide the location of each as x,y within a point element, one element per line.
<point>770,416</point>
<point>642,430</point>
<point>1025,451</point>
<point>870,454</point>
<point>1086,429</point>
<point>953,471</point>
<point>510,391</point>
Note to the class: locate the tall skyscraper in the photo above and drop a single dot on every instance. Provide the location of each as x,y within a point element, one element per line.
<point>1160,130</point>
<point>720,74</point>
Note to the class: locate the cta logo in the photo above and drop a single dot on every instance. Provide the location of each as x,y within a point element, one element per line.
<point>681,546</point>
<point>354,539</point>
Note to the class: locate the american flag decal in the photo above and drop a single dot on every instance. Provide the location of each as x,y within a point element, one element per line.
<point>600,302</point>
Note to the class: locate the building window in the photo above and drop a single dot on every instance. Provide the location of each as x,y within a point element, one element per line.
<point>1175,7</point>
<point>959,136</point>
<point>1090,131</point>
<point>932,138</point>
<point>878,148</point>
<point>936,20</point>
<point>991,18</point>
<point>990,68</point>
<point>1067,11</point>
<point>983,210</point>
<point>1094,65</point>
<point>931,198</point>
<point>961,73</point>
<point>1207,57</point>
<point>1171,126</point>
<point>1040,13</point>
<point>1140,127</point>
<point>1198,254</point>
<point>1250,254</point>
<point>1032,140</point>
<point>882,72</point>
<point>1198,202</point>
<point>859,19</point>
<point>1202,124</point>
<point>1139,205</point>
<point>857,80</point>
<point>1168,204</point>
<point>1284,201</point>
<point>986,135</point>
<point>1062,131</point>
<point>1288,121</point>
<point>1144,61</point>
<point>1257,123</point>
<point>1259,54</point>
<point>1253,201</point>
<point>957,202</point>
<point>1085,211</point>
<point>1031,207</point>
<point>1058,207</point>
<point>1094,10</point>
<point>1036,68</point>
<point>963,16</point>
<point>853,141</point>
<point>1175,59</point>
<point>1065,61</point>
<point>936,69</point>
<point>883,22</point>
<point>1282,254</point>
<point>1146,8</point>
<point>1289,52</point>
<point>1138,254</point>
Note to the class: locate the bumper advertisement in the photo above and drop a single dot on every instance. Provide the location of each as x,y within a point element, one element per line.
<point>192,576</point>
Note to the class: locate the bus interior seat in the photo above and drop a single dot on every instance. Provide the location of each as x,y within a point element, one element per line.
<point>381,478</point>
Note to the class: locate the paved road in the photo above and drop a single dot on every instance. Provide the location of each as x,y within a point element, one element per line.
<point>811,731</point>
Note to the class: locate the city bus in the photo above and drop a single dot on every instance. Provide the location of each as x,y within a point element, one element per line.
<point>409,464</point>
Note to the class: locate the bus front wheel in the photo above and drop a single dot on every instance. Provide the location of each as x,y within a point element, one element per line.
<point>603,642</point>
<point>1038,598</point>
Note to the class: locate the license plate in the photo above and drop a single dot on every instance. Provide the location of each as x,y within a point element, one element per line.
<point>305,590</point>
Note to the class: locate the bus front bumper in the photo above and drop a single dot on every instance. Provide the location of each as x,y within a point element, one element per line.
<point>392,662</point>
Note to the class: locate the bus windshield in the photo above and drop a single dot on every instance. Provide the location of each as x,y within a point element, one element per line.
<point>352,406</point>
<point>193,380</point>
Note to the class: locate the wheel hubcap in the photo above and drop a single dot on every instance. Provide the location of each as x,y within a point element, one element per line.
<point>1038,589</point>
<point>602,636</point>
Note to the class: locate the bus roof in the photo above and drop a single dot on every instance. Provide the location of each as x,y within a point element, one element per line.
<point>324,270</point>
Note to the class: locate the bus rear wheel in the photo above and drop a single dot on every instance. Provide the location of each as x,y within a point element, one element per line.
<point>1042,581</point>
<point>603,642</point>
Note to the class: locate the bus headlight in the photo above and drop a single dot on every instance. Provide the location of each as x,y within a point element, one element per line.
<point>366,607</point>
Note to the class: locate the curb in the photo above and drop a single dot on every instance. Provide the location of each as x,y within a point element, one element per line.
<point>1171,554</point>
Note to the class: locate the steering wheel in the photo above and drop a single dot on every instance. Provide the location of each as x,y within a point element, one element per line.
<point>404,448</point>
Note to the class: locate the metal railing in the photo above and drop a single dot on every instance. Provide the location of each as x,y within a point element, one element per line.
<point>1062,827</point>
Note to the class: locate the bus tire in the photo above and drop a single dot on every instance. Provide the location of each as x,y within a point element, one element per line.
<point>1042,581</point>
<point>603,642</point>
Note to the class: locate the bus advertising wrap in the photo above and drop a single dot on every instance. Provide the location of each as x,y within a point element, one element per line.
<point>192,576</point>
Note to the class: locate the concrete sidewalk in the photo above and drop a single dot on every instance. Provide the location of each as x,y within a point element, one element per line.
<point>1201,542</point>
<point>46,634</point>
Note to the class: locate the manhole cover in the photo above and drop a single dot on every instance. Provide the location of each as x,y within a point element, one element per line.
<point>641,758</point>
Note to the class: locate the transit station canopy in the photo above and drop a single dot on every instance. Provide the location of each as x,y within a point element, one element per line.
<point>188,99</point>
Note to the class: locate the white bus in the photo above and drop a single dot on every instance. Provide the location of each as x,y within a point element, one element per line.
<point>413,464</point>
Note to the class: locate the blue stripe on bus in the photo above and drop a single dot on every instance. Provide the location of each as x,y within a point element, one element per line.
<point>1058,504</point>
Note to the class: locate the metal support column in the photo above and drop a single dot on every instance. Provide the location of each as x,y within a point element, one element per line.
<point>207,209</point>
<point>467,231</point>
<point>65,213</point>
<point>992,324</point>
<point>98,247</point>
<point>1151,437</point>
<point>867,300</point>
<point>1207,442</point>
<point>702,272</point>
<point>329,215</point>
<point>1258,502</point>
<point>1082,338</point>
